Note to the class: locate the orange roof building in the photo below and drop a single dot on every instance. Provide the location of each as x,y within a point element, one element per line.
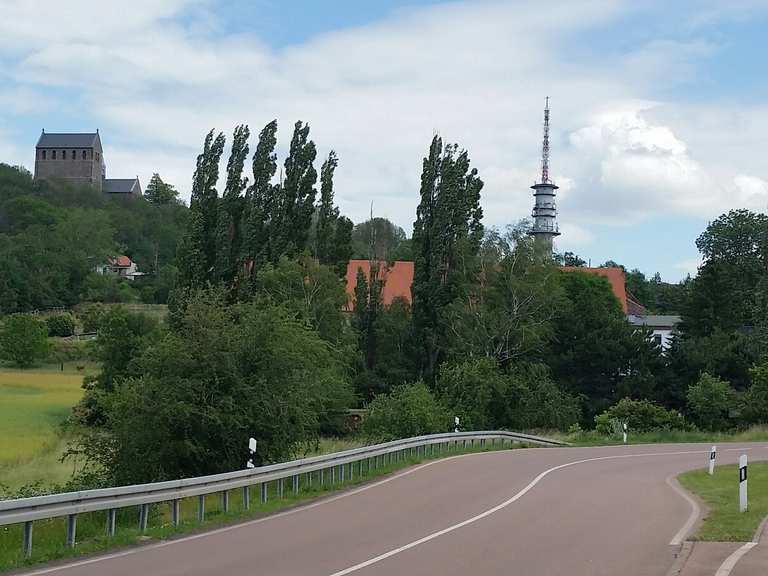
<point>397,278</point>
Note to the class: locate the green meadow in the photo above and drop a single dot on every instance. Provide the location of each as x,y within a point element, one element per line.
<point>33,404</point>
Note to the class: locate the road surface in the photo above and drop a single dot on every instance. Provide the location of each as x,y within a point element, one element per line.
<point>545,511</point>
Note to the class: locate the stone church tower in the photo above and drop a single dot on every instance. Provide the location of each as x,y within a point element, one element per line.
<point>79,159</point>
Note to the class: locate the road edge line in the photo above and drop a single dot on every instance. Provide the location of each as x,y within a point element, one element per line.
<point>686,529</point>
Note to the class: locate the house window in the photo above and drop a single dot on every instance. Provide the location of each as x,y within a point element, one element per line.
<point>85,154</point>
<point>44,154</point>
<point>74,155</point>
<point>53,155</point>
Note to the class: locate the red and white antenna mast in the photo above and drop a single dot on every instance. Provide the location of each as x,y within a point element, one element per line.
<point>545,146</point>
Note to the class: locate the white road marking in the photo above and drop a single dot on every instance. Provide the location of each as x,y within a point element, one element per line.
<point>498,507</point>
<point>324,501</point>
<point>730,562</point>
<point>695,512</point>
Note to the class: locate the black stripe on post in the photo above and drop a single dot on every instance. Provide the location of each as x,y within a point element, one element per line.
<point>743,474</point>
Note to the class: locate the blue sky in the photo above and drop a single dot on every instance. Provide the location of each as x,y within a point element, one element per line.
<point>659,109</point>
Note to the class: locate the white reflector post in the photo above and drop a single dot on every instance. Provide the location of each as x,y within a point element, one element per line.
<point>712,456</point>
<point>743,483</point>
<point>455,423</point>
<point>252,450</point>
<point>625,432</point>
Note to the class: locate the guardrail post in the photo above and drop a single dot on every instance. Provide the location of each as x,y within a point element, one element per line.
<point>143,516</point>
<point>360,468</point>
<point>27,546</point>
<point>111,521</point>
<point>264,491</point>
<point>351,471</point>
<point>309,479</point>
<point>201,508</point>
<point>246,497</point>
<point>71,530</point>
<point>225,501</point>
<point>341,473</point>
<point>333,475</point>
<point>296,484</point>
<point>175,519</point>
<point>280,486</point>
<point>322,477</point>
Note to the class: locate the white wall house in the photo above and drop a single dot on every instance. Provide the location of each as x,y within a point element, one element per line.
<point>662,326</point>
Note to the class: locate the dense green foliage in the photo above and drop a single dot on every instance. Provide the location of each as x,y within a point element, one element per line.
<point>408,410</point>
<point>640,416</point>
<point>186,404</point>
<point>23,339</point>
<point>53,235</point>
<point>709,402</point>
<point>60,324</point>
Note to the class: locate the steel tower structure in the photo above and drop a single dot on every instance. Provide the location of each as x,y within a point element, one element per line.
<point>545,227</point>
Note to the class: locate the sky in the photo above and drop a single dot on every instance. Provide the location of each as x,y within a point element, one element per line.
<point>659,108</point>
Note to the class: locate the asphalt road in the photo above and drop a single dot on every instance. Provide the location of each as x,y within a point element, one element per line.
<point>547,511</point>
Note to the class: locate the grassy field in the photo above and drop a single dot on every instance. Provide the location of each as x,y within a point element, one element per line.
<point>33,403</point>
<point>720,492</point>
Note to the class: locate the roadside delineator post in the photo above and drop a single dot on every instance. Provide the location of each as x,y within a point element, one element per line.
<point>455,423</point>
<point>252,451</point>
<point>625,432</point>
<point>743,483</point>
<point>712,456</point>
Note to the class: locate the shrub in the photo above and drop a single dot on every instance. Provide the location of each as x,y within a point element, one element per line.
<point>475,392</point>
<point>640,416</point>
<point>91,317</point>
<point>70,351</point>
<point>709,401</point>
<point>408,410</point>
<point>23,339</point>
<point>545,405</point>
<point>755,401</point>
<point>62,325</point>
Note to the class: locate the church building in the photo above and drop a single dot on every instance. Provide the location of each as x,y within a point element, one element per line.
<point>79,159</point>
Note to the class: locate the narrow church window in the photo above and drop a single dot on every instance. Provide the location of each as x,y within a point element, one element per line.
<point>74,155</point>
<point>84,155</point>
<point>53,155</point>
<point>44,154</point>
<point>97,155</point>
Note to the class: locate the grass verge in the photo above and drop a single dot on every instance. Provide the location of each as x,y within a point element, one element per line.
<point>724,522</point>
<point>49,535</point>
<point>592,438</point>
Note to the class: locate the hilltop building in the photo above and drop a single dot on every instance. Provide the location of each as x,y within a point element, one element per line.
<point>79,159</point>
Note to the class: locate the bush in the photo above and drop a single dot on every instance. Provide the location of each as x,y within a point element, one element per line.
<point>91,317</point>
<point>545,405</point>
<point>755,401</point>
<point>408,410</point>
<point>709,402</point>
<point>640,416</point>
<point>23,339</point>
<point>70,351</point>
<point>62,325</point>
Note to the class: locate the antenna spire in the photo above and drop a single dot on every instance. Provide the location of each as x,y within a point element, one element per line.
<point>545,146</point>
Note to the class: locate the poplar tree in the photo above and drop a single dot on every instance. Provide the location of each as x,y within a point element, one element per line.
<point>262,202</point>
<point>327,213</point>
<point>298,193</point>
<point>231,208</point>
<point>198,253</point>
<point>446,242</point>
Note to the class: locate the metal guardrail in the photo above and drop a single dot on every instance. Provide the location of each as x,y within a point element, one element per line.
<point>338,465</point>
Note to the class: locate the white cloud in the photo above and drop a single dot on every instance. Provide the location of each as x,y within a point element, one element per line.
<point>476,72</point>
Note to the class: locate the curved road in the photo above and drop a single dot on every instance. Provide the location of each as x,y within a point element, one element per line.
<point>577,511</point>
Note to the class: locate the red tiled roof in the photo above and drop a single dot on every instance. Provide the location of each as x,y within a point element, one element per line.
<point>615,277</point>
<point>397,278</point>
<point>121,261</point>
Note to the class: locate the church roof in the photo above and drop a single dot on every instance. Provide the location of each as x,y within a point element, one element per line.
<point>397,278</point>
<point>121,186</point>
<point>62,140</point>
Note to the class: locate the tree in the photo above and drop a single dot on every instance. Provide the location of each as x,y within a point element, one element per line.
<point>327,213</point>
<point>298,193</point>
<point>23,339</point>
<point>572,259</point>
<point>377,238</point>
<point>595,352</point>
<point>160,193</point>
<point>639,416</point>
<point>310,290</point>
<point>408,410</point>
<point>446,237</point>
<point>263,205</point>
<point>197,261</point>
<point>229,219</point>
<point>709,402</point>
<point>197,394</point>
<point>754,405</point>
